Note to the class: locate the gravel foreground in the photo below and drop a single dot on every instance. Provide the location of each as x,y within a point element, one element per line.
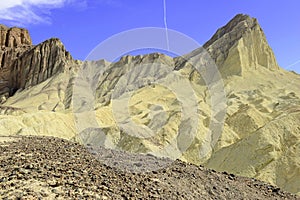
<point>52,168</point>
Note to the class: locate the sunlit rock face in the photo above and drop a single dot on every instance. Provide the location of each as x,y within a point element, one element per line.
<point>241,45</point>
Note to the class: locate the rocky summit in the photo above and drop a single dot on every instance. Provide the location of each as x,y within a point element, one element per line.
<point>240,46</point>
<point>242,119</point>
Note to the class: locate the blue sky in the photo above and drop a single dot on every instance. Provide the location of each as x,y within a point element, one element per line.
<point>83,24</point>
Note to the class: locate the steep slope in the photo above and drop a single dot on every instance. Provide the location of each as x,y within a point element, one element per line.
<point>270,153</point>
<point>14,42</point>
<point>40,63</point>
<point>35,79</point>
<point>240,46</point>
<point>261,117</point>
<point>24,65</point>
<point>264,116</point>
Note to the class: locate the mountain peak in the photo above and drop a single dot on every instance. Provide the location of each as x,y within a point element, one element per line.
<point>240,23</point>
<point>239,46</point>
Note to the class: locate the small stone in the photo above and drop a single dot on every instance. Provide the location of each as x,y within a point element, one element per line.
<point>276,190</point>
<point>53,183</point>
<point>138,164</point>
<point>55,191</point>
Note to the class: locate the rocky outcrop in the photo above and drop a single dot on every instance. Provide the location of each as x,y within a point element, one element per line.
<point>8,56</point>
<point>24,65</point>
<point>39,64</point>
<point>13,43</point>
<point>239,46</point>
<point>14,37</point>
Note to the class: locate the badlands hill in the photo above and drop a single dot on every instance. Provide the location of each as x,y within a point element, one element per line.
<point>250,127</point>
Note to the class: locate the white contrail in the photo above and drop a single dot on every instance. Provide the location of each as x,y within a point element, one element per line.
<point>166,24</point>
<point>295,63</point>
